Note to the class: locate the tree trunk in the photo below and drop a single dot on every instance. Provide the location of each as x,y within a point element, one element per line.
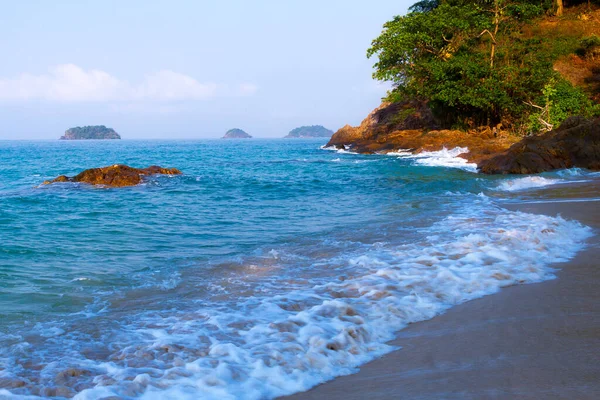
<point>559,8</point>
<point>496,27</point>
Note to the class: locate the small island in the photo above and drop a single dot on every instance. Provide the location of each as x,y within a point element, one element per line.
<point>97,132</point>
<point>313,131</point>
<point>236,134</point>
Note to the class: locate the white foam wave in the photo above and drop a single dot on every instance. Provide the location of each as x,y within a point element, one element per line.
<point>400,153</point>
<point>330,148</point>
<point>445,158</point>
<point>565,173</point>
<point>264,347</point>
<point>441,158</point>
<point>528,182</point>
<point>345,150</point>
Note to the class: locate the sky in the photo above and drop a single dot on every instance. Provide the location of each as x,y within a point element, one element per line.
<point>187,69</point>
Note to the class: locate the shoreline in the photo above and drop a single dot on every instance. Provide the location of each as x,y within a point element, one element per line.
<point>529,341</point>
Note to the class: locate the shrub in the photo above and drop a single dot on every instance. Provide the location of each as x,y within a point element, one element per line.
<point>589,47</point>
<point>560,100</point>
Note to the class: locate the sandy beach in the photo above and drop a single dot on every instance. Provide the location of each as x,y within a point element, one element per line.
<point>538,341</point>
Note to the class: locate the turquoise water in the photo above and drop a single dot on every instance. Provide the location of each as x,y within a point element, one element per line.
<point>189,286</point>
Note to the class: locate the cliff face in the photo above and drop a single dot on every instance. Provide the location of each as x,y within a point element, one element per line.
<point>236,134</point>
<point>314,131</point>
<point>98,132</point>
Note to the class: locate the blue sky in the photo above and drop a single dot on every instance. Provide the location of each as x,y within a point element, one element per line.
<point>187,69</point>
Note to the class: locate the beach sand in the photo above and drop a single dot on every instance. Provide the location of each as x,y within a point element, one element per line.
<point>538,341</point>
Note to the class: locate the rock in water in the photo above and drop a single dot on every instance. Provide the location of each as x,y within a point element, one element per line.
<point>313,131</point>
<point>98,132</point>
<point>115,175</point>
<point>236,134</point>
<point>575,144</point>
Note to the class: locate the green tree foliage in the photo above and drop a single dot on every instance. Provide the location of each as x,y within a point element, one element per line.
<point>589,47</point>
<point>560,100</point>
<point>469,59</point>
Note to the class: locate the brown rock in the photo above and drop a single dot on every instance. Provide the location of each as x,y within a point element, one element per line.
<point>64,376</point>
<point>11,383</point>
<point>387,118</point>
<point>576,143</point>
<point>116,175</point>
<point>411,126</point>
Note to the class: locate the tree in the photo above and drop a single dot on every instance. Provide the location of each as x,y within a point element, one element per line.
<point>469,61</point>
<point>559,8</point>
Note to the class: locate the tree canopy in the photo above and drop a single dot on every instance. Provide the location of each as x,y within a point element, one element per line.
<point>472,63</point>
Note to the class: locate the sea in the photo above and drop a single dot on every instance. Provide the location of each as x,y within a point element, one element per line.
<point>266,268</point>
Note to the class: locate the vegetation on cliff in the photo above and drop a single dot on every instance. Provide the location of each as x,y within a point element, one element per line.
<point>312,131</point>
<point>90,132</point>
<point>236,134</point>
<point>508,63</point>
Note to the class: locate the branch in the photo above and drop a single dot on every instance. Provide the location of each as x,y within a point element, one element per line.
<point>489,33</point>
<point>534,105</point>
<point>548,125</point>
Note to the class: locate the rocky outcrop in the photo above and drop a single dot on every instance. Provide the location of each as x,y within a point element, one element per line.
<point>98,132</point>
<point>402,126</point>
<point>411,126</point>
<point>313,131</point>
<point>576,143</point>
<point>386,119</point>
<point>116,175</point>
<point>236,134</point>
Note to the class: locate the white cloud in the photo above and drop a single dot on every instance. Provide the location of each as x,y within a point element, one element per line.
<point>71,83</point>
<point>169,86</point>
<point>247,89</point>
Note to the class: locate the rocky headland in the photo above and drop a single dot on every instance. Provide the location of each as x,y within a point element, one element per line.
<point>117,175</point>
<point>575,143</point>
<point>97,132</point>
<point>410,126</point>
<point>236,134</point>
<point>535,108</point>
<point>312,131</point>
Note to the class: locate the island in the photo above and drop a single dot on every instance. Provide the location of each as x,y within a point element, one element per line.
<point>96,132</point>
<point>236,134</point>
<point>312,131</point>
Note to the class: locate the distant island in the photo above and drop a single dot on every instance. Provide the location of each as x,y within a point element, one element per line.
<point>236,134</point>
<point>313,131</point>
<point>97,132</point>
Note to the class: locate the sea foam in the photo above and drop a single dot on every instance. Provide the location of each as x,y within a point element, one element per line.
<point>272,345</point>
<point>528,182</point>
<point>445,158</point>
<point>441,158</point>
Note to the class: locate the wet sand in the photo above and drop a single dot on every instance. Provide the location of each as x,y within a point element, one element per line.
<point>538,341</point>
